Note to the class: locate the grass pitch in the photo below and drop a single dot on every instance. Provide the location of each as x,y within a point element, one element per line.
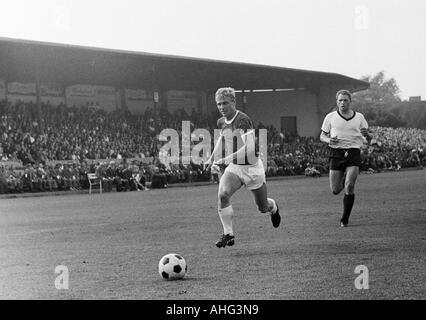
<point>112,243</point>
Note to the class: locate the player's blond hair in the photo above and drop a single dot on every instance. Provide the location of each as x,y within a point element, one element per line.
<point>345,93</point>
<point>225,92</point>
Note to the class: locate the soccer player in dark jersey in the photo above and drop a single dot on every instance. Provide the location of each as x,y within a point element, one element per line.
<point>344,131</point>
<point>243,167</point>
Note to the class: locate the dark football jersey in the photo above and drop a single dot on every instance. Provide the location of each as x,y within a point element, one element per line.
<point>232,132</point>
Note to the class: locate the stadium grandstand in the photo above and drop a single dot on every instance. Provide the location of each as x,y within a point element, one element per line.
<point>69,110</point>
<point>289,99</point>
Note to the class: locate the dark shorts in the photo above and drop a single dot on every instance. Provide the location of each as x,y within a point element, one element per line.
<point>340,159</point>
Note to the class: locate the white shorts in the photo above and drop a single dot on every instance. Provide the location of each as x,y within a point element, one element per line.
<point>252,176</point>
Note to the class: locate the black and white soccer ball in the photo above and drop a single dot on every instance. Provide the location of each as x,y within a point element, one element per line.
<point>172,267</point>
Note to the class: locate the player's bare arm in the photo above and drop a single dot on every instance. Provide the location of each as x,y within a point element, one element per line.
<point>248,149</point>
<point>209,161</point>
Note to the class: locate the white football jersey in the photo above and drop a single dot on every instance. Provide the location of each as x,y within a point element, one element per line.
<point>348,131</point>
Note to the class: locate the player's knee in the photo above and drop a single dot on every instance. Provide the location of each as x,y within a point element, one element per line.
<point>224,196</point>
<point>350,187</point>
<point>336,191</point>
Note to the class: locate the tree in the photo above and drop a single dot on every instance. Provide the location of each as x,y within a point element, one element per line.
<point>384,92</point>
<point>389,118</point>
<point>380,102</point>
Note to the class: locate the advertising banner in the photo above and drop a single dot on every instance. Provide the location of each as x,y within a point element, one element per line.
<point>51,91</point>
<point>81,90</point>
<point>21,88</point>
<point>136,94</point>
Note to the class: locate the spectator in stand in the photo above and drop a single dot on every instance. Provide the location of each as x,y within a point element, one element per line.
<point>101,173</point>
<point>51,184</point>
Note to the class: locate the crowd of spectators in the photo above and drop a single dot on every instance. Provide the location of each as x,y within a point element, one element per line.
<point>393,149</point>
<point>57,146</point>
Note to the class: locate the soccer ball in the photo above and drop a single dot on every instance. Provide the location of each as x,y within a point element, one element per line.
<point>172,267</point>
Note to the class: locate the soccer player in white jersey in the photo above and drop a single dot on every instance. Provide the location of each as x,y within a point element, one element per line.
<point>344,131</point>
<point>243,166</point>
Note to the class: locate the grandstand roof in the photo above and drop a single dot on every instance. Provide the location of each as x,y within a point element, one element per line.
<point>62,64</point>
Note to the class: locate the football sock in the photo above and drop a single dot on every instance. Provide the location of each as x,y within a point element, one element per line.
<point>272,206</point>
<point>225,215</point>
<point>348,202</point>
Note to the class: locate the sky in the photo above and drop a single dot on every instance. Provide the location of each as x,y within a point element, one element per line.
<point>351,37</point>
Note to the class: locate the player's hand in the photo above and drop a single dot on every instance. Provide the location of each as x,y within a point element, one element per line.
<point>207,165</point>
<point>216,164</point>
<point>366,134</point>
<point>334,140</point>
<point>219,162</point>
<point>215,169</point>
